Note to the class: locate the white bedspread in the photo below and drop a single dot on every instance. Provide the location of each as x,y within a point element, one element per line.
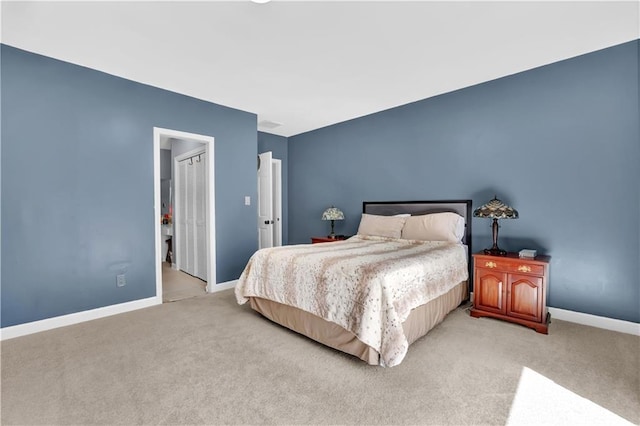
<point>367,285</point>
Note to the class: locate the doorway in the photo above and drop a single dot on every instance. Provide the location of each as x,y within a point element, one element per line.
<point>162,137</point>
<point>269,201</point>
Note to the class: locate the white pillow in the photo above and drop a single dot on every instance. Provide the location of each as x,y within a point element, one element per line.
<point>381,226</point>
<point>434,227</point>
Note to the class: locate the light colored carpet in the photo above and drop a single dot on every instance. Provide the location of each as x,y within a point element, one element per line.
<point>178,285</point>
<point>206,360</point>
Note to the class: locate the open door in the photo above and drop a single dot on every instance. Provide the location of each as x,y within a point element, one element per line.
<point>277,201</point>
<point>265,200</point>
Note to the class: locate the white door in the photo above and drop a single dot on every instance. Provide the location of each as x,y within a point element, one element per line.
<point>200,217</point>
<point>182,216</point>
<point>265,203</point>
<point>191,214</point>
<point>276,166</point>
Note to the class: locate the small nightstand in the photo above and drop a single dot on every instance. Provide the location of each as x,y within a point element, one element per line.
<point>315,240</point>
<point>511,288</point>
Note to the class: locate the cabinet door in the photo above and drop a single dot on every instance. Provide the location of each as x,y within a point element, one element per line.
<point>489,290</point>
<point>524,297</point>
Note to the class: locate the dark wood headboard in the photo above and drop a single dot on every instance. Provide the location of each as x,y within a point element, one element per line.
<point>462,207</point>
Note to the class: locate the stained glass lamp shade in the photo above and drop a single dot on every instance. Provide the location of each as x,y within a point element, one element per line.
<point>332,214</point>
<point>495,209</point>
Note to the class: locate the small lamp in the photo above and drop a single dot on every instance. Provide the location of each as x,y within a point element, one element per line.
<point>495,209</point>
<point>332,214</point>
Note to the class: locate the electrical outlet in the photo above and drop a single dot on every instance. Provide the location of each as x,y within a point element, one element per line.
<point>121,281</point>
<point>247,200</point>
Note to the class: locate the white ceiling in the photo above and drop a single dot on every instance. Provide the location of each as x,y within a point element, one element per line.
<point>306,64</point>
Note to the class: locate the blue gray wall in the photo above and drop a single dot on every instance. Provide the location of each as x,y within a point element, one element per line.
<point>559,143</point>
<point>279,146</point>
<point>77,185</point>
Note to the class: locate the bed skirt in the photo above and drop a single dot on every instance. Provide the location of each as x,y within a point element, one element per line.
<point>420,321</point>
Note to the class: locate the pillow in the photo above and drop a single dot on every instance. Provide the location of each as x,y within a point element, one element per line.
<point>381,226</point>
<point>434,227</point>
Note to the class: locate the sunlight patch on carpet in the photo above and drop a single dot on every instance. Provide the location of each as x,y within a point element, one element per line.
<point>541,401</point>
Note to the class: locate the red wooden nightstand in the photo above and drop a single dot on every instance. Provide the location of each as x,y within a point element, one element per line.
<point>512,288</point>
<point>315,240</point>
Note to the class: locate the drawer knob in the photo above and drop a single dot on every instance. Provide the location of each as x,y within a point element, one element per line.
<point>524,268</point>
<point>490,264</point>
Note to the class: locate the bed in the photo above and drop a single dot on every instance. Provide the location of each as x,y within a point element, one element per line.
<point>375,293</point>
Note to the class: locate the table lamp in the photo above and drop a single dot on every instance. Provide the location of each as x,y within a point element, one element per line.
<point>495,209</point>
<point>332,214</point>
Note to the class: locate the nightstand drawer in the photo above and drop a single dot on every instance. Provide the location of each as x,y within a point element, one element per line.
<point>526,268</point>
<point>523,267</point>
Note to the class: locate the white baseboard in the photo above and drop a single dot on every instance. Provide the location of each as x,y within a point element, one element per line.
<point>224,286</point>
<point>78,317</point>
<point>75,318</point>
<point>621,326</point>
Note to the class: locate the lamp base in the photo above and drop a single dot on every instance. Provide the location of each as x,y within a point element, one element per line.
<point>332,235</point>
<point>495,252</point>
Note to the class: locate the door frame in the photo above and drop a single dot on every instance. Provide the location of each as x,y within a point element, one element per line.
<point>158,135</point>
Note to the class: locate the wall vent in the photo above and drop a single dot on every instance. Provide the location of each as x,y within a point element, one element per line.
<point>266,124</point>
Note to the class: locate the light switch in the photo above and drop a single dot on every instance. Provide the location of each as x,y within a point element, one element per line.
<point>247,200</point>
